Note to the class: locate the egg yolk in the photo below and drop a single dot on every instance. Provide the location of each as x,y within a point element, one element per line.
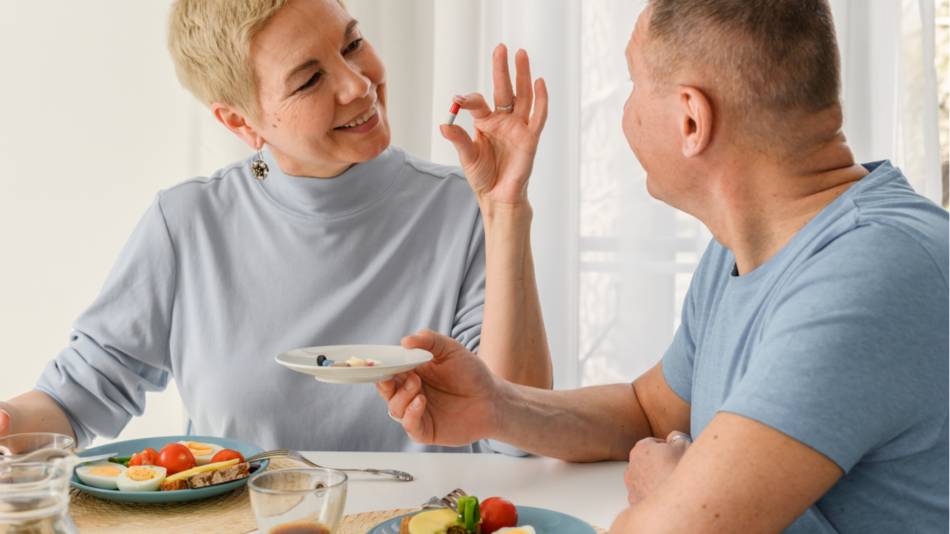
<point>198,449</point>
<point>105,471</point>
<point>140,473</point>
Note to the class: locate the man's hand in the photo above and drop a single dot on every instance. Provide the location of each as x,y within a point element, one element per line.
<point>448,401</point>
<point>740,476</point>
<point>652,461</point>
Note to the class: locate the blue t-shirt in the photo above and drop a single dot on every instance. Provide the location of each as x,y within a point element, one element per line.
<point>839,341</point>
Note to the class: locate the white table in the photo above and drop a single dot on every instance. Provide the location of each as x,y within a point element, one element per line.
<point>592,492</point>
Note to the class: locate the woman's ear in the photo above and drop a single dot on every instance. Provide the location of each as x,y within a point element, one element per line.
<point>235,120</point>
<point>696,120</point>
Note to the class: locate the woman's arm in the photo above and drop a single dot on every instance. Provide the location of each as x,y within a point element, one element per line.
<point>514,343</point>
<point>497,164</point>
<point>33,411</point>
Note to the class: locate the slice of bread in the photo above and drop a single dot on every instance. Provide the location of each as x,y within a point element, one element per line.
<point>209,478</point>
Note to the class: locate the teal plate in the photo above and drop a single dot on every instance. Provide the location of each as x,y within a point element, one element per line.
<point>544,522</point>
<point>132,446</point>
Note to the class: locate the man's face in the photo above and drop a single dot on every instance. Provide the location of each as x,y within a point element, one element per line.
<point>650,121</point>
<point>317,80</point>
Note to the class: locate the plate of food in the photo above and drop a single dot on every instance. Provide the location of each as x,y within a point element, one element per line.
<point>353,364</point>
<point>166,469</point>
<point>494,515</point>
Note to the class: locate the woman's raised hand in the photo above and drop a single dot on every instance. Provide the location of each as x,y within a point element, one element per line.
<point>498,161</point>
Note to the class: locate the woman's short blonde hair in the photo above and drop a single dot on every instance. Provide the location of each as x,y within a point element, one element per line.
<point>210,44</point>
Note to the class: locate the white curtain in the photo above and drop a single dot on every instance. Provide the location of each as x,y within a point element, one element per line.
<point>613,263</point>
<point>890,85</point>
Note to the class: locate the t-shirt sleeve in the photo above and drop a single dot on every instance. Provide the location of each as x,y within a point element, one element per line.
<point>467,327</point>
<point>677,362</point>
<point>118,349</point>
<point>853,358</point>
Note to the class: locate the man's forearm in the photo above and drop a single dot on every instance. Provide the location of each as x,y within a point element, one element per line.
<point>35,411</point>
<point>582,425</point>
<point>513,341</point>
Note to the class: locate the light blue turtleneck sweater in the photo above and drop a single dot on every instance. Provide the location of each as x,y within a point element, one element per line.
<point>225,272</point>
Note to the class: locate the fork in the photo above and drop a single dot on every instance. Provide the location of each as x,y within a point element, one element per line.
<point>450,500</point>
<point>401,476</point>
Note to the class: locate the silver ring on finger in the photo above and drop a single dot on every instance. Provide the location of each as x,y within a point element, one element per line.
<point>505,109</point>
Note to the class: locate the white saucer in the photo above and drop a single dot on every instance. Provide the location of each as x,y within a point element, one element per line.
<point>394,360</point>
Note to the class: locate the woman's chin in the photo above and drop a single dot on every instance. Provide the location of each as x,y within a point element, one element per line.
<point>371,146</point>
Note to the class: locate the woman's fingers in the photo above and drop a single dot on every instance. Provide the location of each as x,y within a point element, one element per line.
<point>501,78</point>
<point>523,96</point>
<point>475,104</point>
<point>540,114</point>
<point>463,144</point>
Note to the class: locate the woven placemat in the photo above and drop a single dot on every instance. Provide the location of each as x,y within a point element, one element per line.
<point>225,514</point>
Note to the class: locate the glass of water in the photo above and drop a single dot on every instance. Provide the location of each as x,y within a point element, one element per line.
<point>298,500</point>
<point>34,497</point>
<point>16,445</point>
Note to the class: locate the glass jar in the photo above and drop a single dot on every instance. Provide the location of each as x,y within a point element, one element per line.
<point>34,497</point>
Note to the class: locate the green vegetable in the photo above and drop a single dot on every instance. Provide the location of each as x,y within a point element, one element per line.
<point>124,460</point>
<point>469,514</point>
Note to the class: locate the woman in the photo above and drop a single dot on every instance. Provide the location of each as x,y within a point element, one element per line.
<point>328,236</point>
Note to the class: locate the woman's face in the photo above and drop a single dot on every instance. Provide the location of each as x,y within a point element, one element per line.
<point>321,90</point>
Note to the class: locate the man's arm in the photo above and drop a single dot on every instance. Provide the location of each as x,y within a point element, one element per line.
<point>33,411</point>
<point>739,476</point>
<point>590,424</point>
<point>455,399</point>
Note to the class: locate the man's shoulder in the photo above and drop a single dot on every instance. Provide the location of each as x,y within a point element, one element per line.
<point>895,220</point>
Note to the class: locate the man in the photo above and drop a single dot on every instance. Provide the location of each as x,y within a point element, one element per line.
<point>811,362</point>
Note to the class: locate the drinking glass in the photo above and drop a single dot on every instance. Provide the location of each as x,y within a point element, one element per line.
<point>298,500</point>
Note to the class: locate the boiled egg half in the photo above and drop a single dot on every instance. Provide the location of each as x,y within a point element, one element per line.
<point>103,475</point>
<point>141,478</point>
<point>527,529</point>
<point>203,452</point>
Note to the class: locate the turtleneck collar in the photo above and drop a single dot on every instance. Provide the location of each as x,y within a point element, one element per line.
<point>349,192</point>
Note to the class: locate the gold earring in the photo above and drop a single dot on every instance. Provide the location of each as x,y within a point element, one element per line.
<point>259,167</point>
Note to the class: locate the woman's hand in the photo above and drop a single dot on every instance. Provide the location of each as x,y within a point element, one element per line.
<point>447,401</point>
<point>498,161</point>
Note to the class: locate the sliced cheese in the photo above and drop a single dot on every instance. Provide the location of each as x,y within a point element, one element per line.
<point>181,475</point>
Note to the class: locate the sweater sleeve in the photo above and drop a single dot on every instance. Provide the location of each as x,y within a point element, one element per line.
<point>118,349</point>
<point>467,328</point>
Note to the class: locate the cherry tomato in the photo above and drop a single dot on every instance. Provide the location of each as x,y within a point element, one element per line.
<point>148,456</point>
<point>175,457</point>
<point>497,513</point>
<point>227,454</point>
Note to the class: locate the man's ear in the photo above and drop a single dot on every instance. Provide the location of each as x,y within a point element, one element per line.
<point>236,121</point>
<point>696,120</point>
